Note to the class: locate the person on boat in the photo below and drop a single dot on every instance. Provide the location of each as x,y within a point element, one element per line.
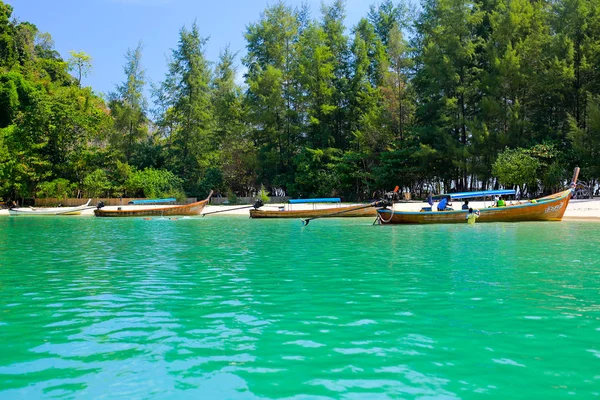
<point>466,205</point>
<point>472,216</point>
<point>501,202</point>
<point>444,203</point>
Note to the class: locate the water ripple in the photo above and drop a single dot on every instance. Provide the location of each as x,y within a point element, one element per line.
<point>235,308</point>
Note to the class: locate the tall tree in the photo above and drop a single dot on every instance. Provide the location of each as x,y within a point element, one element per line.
<point>369,63</point>
<point>186,93</point>
<point>366,100</point>
<point>25,34</point>
<point>273,88</point>
<point>397,88</point>
<point>128,104</point>
<point>237,153</point>
<point>579,22</point>
<point>447,81</point>
<point>332,22</point>
<point>586,141</point>
<point>387,17</point>
<point>81,63</point>
<point>8,55</point>
<point>316,74</point>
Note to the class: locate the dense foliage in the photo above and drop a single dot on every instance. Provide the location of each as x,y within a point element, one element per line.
<point>464,94</point>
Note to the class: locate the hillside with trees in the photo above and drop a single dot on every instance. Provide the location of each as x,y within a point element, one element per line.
<point>458,95</point>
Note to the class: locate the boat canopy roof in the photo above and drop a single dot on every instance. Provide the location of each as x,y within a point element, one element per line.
<point>470,195</point>
<point>322,200</point>
<point>153,201</point>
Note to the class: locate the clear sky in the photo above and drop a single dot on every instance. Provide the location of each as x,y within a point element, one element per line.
<point>105,29</point>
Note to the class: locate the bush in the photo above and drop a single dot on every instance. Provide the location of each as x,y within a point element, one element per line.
<point>516,167</point>
<point>154,183</point>
<point>317,172</point>
<point>232,197</point>
<point>263,195</point>
<point>212,180</point>
<point>96,184</point>
<point>59,188</point>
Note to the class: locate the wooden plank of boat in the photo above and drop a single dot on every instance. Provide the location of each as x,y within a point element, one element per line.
<point>550,208</point>
<point>165,211</point>
<point>347,211</point>
<point>50,211</point>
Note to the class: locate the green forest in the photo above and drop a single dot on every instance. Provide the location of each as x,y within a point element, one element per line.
<point>440,96</point>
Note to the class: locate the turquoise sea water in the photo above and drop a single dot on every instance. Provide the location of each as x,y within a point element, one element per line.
<point>227,307</point>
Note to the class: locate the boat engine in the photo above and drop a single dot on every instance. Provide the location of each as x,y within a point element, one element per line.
<point>385,203</point>
<point>100,205</point>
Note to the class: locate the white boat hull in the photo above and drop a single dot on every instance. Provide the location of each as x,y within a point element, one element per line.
<point>50,211</point>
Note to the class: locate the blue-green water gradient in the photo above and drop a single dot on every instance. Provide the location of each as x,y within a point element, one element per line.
<point>227,307</point>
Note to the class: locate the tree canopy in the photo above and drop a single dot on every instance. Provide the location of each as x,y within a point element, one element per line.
<point>459,95</point>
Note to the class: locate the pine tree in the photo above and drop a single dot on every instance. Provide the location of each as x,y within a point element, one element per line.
<point>188,112</point>
<point>273,89</point>
<point>128,105</point>
<point>316,74</point>
<point>332,22</point>
<point>237,156</point>
<point>447,82</point>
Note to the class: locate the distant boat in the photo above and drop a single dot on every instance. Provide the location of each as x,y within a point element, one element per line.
<point>549,208</point>
<point>50,211</point>
<point>358,210</point>
<point>164,211</point>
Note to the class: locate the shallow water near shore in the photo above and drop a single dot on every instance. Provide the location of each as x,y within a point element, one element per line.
<point>235,308</point>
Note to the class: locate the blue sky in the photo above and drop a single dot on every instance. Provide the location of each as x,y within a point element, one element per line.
<point>105,29</point>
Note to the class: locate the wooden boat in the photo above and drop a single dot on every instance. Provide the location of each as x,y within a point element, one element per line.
<point>360,210</point>
<point>29,211</point>
<point>549,208</point>
<point>185,210</point>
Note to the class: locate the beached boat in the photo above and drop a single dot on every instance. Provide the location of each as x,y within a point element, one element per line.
<point>170,211</point>
<point>357,210</point>
<point>360,210</point>
<point>50,211</point>
<point>549,208</point>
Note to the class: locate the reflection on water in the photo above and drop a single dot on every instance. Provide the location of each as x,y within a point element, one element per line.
<point>237,308</point>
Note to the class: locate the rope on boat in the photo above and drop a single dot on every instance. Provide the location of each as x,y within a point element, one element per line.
<point>381,219</point>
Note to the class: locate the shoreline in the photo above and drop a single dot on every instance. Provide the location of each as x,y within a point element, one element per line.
<point>577,210</point>
<point>581,219</point>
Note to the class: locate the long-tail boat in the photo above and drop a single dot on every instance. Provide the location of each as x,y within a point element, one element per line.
<point>349,211</point>
<point>549,208</point>
<point>164,211</point>
<point>50,211</point>
<point>358,210</point>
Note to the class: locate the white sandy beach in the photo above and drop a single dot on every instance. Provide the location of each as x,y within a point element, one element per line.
<point>582,210</point>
